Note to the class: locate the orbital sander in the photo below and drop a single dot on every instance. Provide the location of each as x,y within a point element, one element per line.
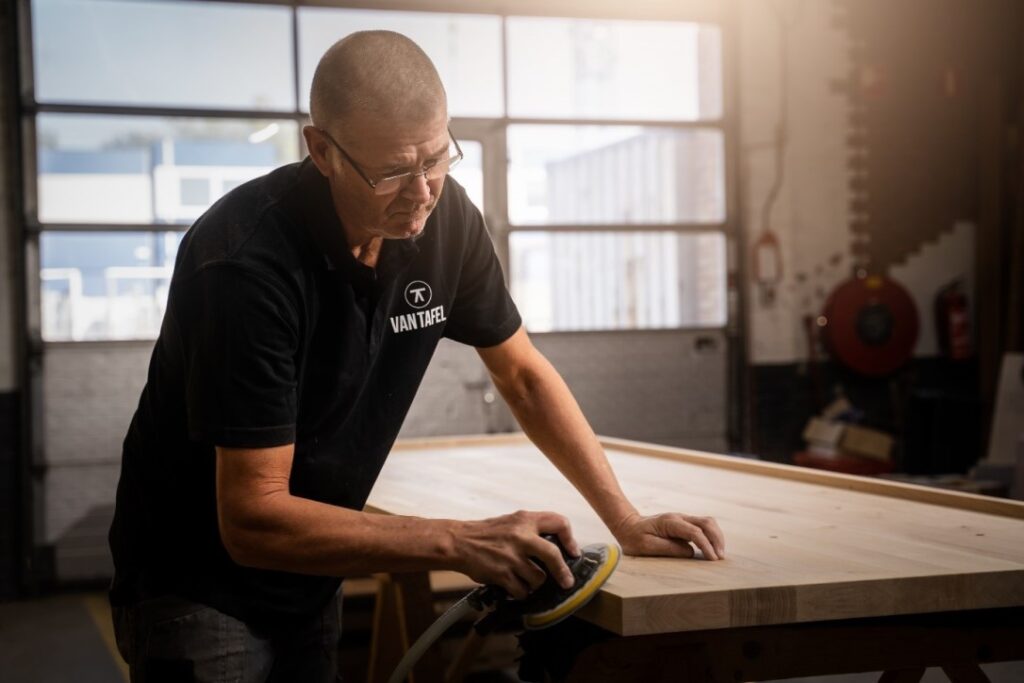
<point>544,607</point>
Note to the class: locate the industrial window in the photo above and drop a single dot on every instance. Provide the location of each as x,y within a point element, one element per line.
<point>615,175</point>
<point>154,54</point>
<point>601,69</point>
<point>619,280</point>
<point>149,169</point>
<point>596,148</point>
<point>465,48</point>
<point>105,285</point>
<point>641,146</point>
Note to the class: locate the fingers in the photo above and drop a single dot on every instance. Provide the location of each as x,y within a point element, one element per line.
<point>554,523</point>
<point>670,535</point>
<point>514,584</point>
<point>549,554</point>
<point>713,533</point>
<point>509,551</point>
<point>677,526</point>
<point>666,547</point>
<point>526,577</point>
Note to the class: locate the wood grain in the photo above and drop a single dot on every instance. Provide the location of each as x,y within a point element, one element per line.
<point>798,549</point>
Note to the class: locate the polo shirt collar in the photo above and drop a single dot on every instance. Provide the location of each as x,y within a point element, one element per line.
<point>328,235</point>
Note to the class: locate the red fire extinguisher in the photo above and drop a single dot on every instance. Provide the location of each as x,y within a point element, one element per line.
<point>767,265</point>
<point>953,322</point>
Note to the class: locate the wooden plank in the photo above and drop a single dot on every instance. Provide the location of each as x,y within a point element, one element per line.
<point>923,494</point>
<point>797,551</point>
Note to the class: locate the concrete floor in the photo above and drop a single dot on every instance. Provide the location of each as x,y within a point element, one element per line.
<point>70,638</point>
<point>60,638</point>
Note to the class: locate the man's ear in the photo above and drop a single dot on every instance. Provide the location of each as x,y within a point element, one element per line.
<point>318,146</point>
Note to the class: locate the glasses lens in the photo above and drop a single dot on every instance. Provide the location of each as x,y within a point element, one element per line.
<point>439,169</point>
<point>390,185</point>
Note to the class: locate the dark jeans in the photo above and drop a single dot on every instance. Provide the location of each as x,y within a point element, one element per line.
<point>171,639</point>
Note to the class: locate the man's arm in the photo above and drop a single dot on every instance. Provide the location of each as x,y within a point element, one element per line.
<point>550,416</point>
<point>263,525</point>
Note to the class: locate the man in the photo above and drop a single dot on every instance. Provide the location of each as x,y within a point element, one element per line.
<point>304,309</point>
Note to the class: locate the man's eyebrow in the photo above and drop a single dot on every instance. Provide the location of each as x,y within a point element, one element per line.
<point>399,167</point>
<point>441,150</point>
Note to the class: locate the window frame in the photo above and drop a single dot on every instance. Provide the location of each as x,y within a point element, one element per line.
<point>492,132</point>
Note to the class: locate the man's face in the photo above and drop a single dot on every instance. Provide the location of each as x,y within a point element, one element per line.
<point>381,149</point>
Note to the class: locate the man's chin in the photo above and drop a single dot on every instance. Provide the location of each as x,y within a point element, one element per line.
<point>406,229</point>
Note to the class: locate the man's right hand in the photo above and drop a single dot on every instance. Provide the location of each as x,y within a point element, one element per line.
<point>497,551</point>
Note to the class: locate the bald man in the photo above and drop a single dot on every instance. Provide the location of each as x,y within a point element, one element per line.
<point>304,309</point>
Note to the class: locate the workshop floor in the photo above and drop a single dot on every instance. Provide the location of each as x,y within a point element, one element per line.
<point>69,637</point>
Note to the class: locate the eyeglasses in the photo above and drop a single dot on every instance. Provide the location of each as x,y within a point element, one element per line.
<point>394,183</point>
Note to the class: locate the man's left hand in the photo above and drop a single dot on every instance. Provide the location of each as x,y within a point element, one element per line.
<point>670,535</point>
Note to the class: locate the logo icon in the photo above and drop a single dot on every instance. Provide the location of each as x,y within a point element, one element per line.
<point>418,294</point>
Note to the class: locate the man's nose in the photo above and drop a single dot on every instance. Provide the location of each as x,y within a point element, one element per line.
<point>418,189</point>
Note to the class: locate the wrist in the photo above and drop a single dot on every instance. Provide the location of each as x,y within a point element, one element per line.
<point>621,519</point>
<point>448,550</point>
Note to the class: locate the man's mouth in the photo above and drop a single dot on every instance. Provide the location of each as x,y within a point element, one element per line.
<point>411,216</point>
<point>416,211</point>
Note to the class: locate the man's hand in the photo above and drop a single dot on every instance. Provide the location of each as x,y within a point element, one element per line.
<point>670,535</point>
<point>497,551</point>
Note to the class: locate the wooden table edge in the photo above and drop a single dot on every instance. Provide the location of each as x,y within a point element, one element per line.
<point>893,489</point>
<point>912,492</point>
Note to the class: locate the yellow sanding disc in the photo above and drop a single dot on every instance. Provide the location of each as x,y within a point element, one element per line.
<point>609,559</point>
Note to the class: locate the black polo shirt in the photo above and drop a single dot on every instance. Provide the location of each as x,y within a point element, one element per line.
<point>275,334</point>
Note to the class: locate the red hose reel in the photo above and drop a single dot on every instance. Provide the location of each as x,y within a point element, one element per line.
<point>870,325</point>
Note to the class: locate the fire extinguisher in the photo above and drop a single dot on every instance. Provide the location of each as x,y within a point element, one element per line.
<point>767,265</point>
<point>953,322</point>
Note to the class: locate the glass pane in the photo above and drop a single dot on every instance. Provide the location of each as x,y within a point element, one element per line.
<point>470,171</point>
<point>465,48</point>
<point>589,68</point>
<point>105,285</point>
<point>185,54</point>
<point>618,280</point>
<point>594,175</point>
<point>130,169</point>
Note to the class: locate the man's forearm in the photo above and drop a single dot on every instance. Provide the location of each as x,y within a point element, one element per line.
<point>262,525</point>
<point>285,533</point>
<point>550,416</point>
<point>293,534</point>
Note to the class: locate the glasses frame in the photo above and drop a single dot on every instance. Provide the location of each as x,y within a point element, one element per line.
<point>403,178</point>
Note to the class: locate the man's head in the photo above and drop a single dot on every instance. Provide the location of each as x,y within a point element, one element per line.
<point>380,101</point>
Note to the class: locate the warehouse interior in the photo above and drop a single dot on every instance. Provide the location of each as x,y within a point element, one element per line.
<point>787,232</point>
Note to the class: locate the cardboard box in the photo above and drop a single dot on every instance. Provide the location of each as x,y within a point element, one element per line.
<point>866,443</point>
<point>823,435</point>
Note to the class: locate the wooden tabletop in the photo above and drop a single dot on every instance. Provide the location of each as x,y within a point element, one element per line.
<point>801,545</point>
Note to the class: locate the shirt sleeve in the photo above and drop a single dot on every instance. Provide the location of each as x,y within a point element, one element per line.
<point>240,336</point>
<point>483,313</point>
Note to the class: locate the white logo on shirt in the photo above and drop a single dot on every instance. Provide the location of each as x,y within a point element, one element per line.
<point>418,294</point>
